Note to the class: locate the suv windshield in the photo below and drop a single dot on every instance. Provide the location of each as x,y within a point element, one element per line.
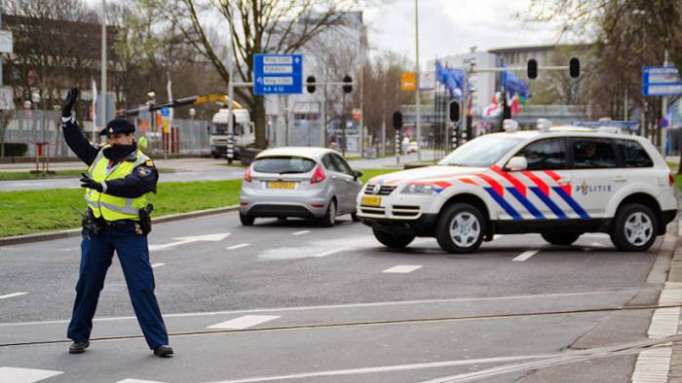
<point>283,164</point>
<point>483,151</point>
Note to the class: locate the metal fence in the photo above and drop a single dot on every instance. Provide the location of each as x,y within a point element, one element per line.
<point>37,126</point>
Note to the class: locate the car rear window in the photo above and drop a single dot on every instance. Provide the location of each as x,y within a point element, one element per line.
<point>634,155</point>
<point>283,165</point>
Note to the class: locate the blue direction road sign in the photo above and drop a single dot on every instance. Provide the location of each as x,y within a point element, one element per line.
<point>661,81</point>
<point>277,74</point>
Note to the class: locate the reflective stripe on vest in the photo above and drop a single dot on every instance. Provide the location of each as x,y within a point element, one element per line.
<point>113,208</point>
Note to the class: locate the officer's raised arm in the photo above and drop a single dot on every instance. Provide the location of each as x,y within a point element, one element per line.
<point>72,133</point>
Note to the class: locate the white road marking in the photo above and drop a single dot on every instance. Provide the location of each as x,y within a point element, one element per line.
<point>155,265</point>
<point>13,295</point>
<point>595,235</point>
<point>25,375</point>
<point>497,236</point>
<point>402,269</point>
<point>244,322</point>
<point>137,381</point>
<point>525,255</point>
<point>185,240</point>
<point>342,306</point>
<point>654,365</point>
<point>384,369</point>
<point>235,247</point>
<point>302,232</point>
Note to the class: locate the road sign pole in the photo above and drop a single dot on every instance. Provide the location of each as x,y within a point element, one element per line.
<point>397,147</point>
<point>664,111</point>
<point>229,150</point>
<point>323,117</point>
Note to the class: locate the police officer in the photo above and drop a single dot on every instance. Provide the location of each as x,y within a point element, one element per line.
<point>117,183</point>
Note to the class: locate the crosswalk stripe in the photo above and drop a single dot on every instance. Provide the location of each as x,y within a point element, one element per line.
<point>13,295</point>
<point>243,322</point>
<point>402,269</point>
<point>525,255</point>
<point>25,375</point>
<point>235,247</point>
<point>301,232</point>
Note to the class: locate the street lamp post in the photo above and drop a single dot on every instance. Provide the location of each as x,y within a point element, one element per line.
<point>416,33</point>
<point>103,104</point>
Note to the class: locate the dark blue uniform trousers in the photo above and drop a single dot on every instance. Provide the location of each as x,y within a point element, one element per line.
<point>133,254</point>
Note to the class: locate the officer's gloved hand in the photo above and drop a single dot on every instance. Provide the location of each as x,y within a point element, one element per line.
<point>87,182</point>
<point>69,102</point>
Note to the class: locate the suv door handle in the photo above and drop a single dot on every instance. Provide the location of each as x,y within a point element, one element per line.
<point>619,179</point>
<point>564,180</point>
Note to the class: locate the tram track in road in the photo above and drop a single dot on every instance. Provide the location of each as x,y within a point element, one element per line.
<point>350,324</point>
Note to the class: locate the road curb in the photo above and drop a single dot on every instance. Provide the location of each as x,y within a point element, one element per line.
<point>28,238</point>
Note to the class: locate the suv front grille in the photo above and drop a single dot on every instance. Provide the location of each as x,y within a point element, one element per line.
<point>383,189</point>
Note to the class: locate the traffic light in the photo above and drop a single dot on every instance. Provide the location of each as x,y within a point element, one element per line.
<point>532,69</point>
<point>397,120</point>
<point>348,86</point>
<point>574,67</point>
<point>310,84</point>
<point>454,111</point>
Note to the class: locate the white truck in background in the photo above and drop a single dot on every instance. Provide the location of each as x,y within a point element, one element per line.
<point>244,132</point>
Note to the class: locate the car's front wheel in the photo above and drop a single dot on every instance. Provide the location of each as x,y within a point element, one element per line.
<point>634,228</point>
<point>246,220</point>
<point>393,240</point>
<point>460,228</point>
<point>560,239</point>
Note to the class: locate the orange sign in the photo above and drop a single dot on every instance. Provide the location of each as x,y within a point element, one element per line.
<point>408,81</point>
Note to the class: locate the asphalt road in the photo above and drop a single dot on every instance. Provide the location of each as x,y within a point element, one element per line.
<point>294,302</point>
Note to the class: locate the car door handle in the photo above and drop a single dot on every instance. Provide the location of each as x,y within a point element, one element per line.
<point>564,180</point>
<point>619,179</point>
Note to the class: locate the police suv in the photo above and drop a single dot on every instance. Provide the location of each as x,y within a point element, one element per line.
<point>559,182</point>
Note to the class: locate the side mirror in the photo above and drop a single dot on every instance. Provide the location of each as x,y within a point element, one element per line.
<point>517,164</point>
<point>357,174</point>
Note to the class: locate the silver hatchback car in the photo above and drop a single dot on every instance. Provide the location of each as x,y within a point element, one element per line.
<point>299,182</point>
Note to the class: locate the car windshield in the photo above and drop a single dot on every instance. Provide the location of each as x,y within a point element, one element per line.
<point>283,165</point>
<point>482,152</point>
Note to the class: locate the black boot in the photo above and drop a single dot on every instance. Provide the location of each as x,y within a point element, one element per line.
<point>78,347</point>
<point>163,351</point>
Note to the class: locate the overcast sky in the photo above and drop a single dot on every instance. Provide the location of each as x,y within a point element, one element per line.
<point>449,27</point>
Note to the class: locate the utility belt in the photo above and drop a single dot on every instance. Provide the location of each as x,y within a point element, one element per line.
<point>97,225</point>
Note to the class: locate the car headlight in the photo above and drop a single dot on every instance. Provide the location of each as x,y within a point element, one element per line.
<point>422,189</point>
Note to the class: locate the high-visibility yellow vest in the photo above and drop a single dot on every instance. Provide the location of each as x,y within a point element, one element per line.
<point>110,207</point>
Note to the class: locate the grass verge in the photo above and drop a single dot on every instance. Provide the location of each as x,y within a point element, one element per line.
<point>70,173</point>
<point>25,212</point>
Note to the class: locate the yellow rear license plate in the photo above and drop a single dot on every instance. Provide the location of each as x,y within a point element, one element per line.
<point>281,185</point>
<point>371,201</point>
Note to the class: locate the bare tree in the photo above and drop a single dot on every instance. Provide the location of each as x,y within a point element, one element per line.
<point>254,26</point>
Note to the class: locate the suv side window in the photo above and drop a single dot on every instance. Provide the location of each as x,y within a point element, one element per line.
<point>547,154</point>
<point>634,155</point>
<point>593,154</point>
<point>342,165</point>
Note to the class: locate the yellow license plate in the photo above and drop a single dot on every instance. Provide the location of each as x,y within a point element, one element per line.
<point>371,201</point>
<point>281,185</point>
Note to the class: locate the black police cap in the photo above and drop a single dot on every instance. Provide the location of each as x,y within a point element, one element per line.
<point>118,125</point>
